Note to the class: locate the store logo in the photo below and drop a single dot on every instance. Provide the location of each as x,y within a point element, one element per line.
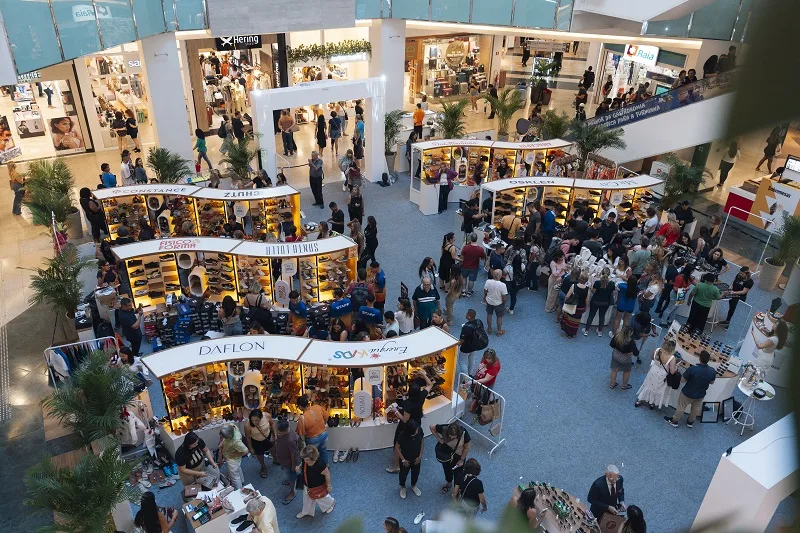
<point>238,42</point>
<point>642,54</point>
<point>349,58</point>
<point>29,76</point>
<point>373,353</point>
<point>289,249</point>
<point>532,182</point>
<point>86,13</point>
<point>134,63</point>
<point>239,347</point>
<point>179,244</point>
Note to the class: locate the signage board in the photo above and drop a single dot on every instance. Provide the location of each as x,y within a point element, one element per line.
<point>773,201</point>
<point>238,42</point>
<point>374,375</point>
<point>29,76</point>
<point>538,45</point>
<point>647,55</point>
<point>362,404</point>
<point>349,58</point>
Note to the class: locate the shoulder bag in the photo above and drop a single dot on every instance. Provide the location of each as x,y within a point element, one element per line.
<point>464,504</point>
<point>315,493</point>
<point>446,454</point>
<point>673,380</point>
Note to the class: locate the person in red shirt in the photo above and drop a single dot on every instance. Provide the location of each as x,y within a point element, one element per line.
<point>488,369</point>
<point>291,235</point>
<point>671,230</point>
<point>472,253</point>
<point>682,281</point>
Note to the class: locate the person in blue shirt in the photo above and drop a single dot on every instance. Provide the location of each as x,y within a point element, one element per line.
<point>341,306</point>
<point>318,329</point>
<point>496,259</point>
<point>298,314</point>
<point>369,313</point>
<point>109,180</point>
<point>548,226</point>
<point>697,379</point>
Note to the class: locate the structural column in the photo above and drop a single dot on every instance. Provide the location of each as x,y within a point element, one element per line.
<point>388,39</point>
<point>171,119</point>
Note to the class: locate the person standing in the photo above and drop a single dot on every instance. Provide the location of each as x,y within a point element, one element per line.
<point>322,133</point>
<point>426,301</point>
<point>126,169</point>
<point>453,444</point>
<point>370,239</point>
<point>588,78</point>
<point>317,480</point>
<point>150,519</point>
<point>285,452</point>
<point>408,449</point>
<point>335,132</point>
<point>623,348</point>
<point>444,177</point>
<point>741,285</point>
<point>770,150</point>
<point>355,205</point>
<point>315,177</point>
<point>469,495</point>
<point>337,218</point>
<point>548,227</point>
<point>419,118</point>
<point>654,389</point>
<point>121,130</point>
<point>311,427</point>
<point>697,379</point>
<point>492,93</point>
<point>262,513</point>
<point>132,129</point>
<point>558,267</point>
<point>472,255</point>
<point>225,132</point>
<point>495,293</point>
<point>285,124</point>
<point>526,52</point>
<point>91,208</point>
<point>469,342</point>
<point>728,160</point>
<point>131,322</point>
<point>191,457</point>
<point>570,322</point>
<point>454,290</point>
<point>237,126</point>
<point>701,299</point>
<point>17,181</point>
<point>233,450</point>
<point>635,522</point>
<point>607,493</point>
<point>230,315</point>
<point>258,435</point>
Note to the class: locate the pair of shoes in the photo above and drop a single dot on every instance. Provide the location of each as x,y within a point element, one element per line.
<point>668,420</point>
<point>599,333</point>
<point>239,519</point>
<point>343,456</point>
<point>335,456</point>
<point>416,490</point>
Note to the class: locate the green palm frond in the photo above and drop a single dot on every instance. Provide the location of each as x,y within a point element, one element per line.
<point>239,157</point>
<point>392,125</point>
<point>590,138</point>
<point>682,183</point>
<point>49,184</point>
<point>84,496</point>
<point>450,121</point>
<point>57,284</point>
<point>508,102</point>
<point>91,401</point>
<point>168,167</point>
<point>788,241</point>
<point>554,124</point>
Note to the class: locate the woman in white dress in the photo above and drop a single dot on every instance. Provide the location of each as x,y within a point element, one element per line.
<point>765,351</point>
<point>654,389</point>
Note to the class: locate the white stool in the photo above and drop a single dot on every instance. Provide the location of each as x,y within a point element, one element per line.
<point>745,415</point>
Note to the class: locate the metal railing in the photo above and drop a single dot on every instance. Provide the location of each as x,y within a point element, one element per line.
<point>469,403</point>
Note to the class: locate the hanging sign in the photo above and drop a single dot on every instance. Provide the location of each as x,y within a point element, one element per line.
<point>288,267</point>
<point>616,198</point>
<point>548,46</point>
<point>374,375</point>
<point>238,42</point>
<point>362,404</point>
<point>647,55</point>
<point>29,76</point>
<point>282,293</point>
<point>240,210</point>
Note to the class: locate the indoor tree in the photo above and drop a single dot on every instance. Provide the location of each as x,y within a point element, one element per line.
<point>392,126</point>
<point>589,138</point>
<point>49,184</point>
<point>683,181</point>
<point>91,400</point>
<point>450,122</point>
<point>168,166</point>
<point>239,156</point>
<point>508,102</point>
<point>84,496</point>
<point>787,243</point>
<point>57,284</point>
<point>554,124</point>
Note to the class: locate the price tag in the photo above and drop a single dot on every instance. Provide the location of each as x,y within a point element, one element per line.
<point>374,375</point>
<point>362,404</point>
<point>240,210</point>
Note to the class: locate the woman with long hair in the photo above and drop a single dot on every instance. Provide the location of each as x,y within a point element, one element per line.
<point>776,340</point>
<point>355,204</point>
<point>370,240</point>
<point>570,322</point>
<point>338,331</point>
<point>404,316</point>
<point>202,148</point>
<point>229,315</point>
<point>727,162</point>
<point>654,389</point>
<point>623,348</point>
<point>427,269</point>
<point>655,284</point>
<point>671,230</point>
<point>149,519</point>
<point>703,243</point>
<point>354,176</point>
<point>558,267</point>
<point>602,296</point>
<point>635,522</point>
<point>93,211</point>
<point>357,234</point>
<point>525,504</point>
<point>622,270</point>
<point>322,133</point>
<point>626,302</point>
<point>448,259</point>
<point>453,292</point>
<point>391,525</point>
<point>468,494</point>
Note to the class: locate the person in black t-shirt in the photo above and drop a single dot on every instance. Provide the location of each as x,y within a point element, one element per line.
<point>130,321</point>
<point>739,289</point>
<point>337,218</point>
<point>238,126</point>
<point>468,494</point>
<point>630,223</point>
<point>455,440</point>
<point>190,458</point>
<point>608,229</point>
<point>470,216</point>
<point>410,408</point>
<point>669,279</point>
<point>408,450</point>
<point>105,274</point>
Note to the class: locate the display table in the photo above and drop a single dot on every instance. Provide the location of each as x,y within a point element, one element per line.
<point>565,513</point>
<point>220,521</point>
<point>745,415</point>
<point>779,374</point>
<point>725,364</point>
<point>290,366</point>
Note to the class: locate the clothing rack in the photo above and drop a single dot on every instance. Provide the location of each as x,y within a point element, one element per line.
<point>63,359</point>
<point>469,389</point>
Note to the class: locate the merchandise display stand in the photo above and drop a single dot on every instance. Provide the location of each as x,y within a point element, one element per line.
<point>600,168</point>
<point>216,519</point>
<point>752,479</point>
<point>566,513</point>
<point>779,373</point>
<point>206,383</point>
<point>489,428</point>
<point>512,196</point>
<point>169,207</point>
<point>745,415</point>
<point>523,157</point>
<point>627,193</point>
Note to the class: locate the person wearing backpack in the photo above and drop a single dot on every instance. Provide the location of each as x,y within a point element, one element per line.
<point>472,340</point>
<point>225,132</point>
<point>359,290</point>
<point>258,308</point>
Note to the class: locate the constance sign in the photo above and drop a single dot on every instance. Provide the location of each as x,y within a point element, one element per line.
<point>647,55</point>
<point>238,42</point>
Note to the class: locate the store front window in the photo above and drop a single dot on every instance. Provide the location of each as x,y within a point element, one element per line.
<point>39,116</point>
<point>626,75</point>
<point>446,67</point>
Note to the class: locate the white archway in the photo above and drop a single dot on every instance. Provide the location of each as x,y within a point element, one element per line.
<point>370,90</point>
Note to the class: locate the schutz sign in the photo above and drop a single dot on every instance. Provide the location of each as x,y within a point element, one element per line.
<point>238,42</point>
<point>647,55</point>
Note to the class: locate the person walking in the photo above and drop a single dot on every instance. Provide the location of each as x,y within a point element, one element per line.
<point>626,302</point>
<point>335,132</point>
<point>469,496</point>
<point>697,379</point>
<point>91,208</point>
<point>317,481</point>
<point>226,133</point>
<point>495,293</point>
<point>322,133</point>
<point>728,160</point>
<point>588,78</point>
<point>655,388</point>
<point>741,285</point>
<point>579,293</point>
<point>558,267</point>
<point>526,52</point>
<point>492,93</point>
<point>426,301</point>
<point>285,452</point>
<point>202,148</point>
<point>132,129</point>
<point>355,204</point>
<point>233,450</point>
<point>454,291</point>
<point>448,259</point>
<point>602,295</point>
<point>17,181</point>
<point>315,177</point>
<point>623,348</point>
<point>354,176</point>
<point>701,299</point>
<point>344,165</point>
<point>311,427</point>
<point>452,448</point>
<point>370,240</point>
<point>259,434</point>
<point>286,124</point>
<point>408,449</point>
<point>770,150</point>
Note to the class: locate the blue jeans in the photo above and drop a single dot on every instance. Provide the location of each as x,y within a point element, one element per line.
<point>204,155</point>
<point>321,443</point>
<point>464,365</point>
<point>290,475</point>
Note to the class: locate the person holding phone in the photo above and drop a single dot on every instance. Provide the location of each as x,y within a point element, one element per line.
<point>131,322</point>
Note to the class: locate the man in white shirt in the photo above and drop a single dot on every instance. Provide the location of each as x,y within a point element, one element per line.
<point>126,168</point>
<point>606,209</point>
<point>651,224</point>
<point>494,296</point>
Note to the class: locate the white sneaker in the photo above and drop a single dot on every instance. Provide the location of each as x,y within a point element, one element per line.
<point>611,333</point>
<point>510,311</point>
<point>416,490</point>
<point>419,518</point>
<point>599,333</point>
<point>403,492</point>
<point>335,456</point>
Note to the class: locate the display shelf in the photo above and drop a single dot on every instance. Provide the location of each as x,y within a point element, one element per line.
<point>197,396</point>
<point>255,269</point>
<point>125,211</point>
<point>221,275</point>
<point>211,215</point>
<point>566,512</point>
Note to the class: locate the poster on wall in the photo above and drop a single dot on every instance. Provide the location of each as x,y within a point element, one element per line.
<point>67,136</point>
<point>8,148</point>
<point>773,201</point>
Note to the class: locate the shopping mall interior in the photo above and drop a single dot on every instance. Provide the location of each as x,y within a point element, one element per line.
<point>186,285</point>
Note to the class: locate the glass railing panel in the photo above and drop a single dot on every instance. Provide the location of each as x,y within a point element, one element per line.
<point>715,21</point>
<point>116,24</point>
<point>410,9</point>
<point>564,18</point>
<point>149,17</point>
<point>191,14</point>
<point>450,10</point>
<point>77,27</point>
<point>535,13</point>
<point>496,12</point>
<point>31,34</point>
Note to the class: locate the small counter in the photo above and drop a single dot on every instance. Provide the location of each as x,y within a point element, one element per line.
<point>779,373</point>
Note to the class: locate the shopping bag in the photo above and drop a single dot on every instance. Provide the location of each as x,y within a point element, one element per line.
<point>569,308</point>
<point>611,523</point>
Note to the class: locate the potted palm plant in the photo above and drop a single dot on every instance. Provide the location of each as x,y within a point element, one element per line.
<point>537,87</point>
<point>589,138</point>
<point>787,244</point>
<point>450,122</point>
<point>85,496</point>
<point>167,166</point>
<point>49,184</point>
<point>239,157</point>
<point>508,102</point>
<point>392,125</point>
<point>58,285</point>
<point>682,183</point>
<point>554,124</point>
